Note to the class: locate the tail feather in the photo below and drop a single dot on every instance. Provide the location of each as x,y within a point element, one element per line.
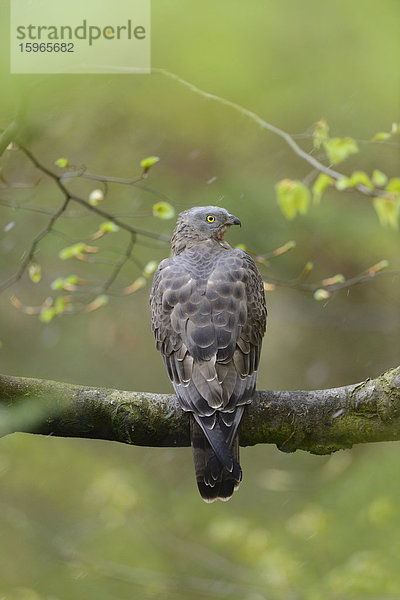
<point>214,479</point>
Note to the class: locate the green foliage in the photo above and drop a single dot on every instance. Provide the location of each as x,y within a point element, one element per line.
<point>388,211</point>
<point>322,182</point>
<point>393,187</point>
<point>379,179</point>
<point>381,136</point>
<point>321,294</point>
<point>357,178</point>
<point>147,163</point>
<point>47,314</point>
<point>338,149</point>
<point>35,272</point>
<point>150,268</point>
<point>65,283</point>
<point>95,197</point>
<point>163,210</point>
<point>76,251</point>
<point>293,197</point>
<point>109,227</point>
<point>62,163</point>
<point>320,133</point>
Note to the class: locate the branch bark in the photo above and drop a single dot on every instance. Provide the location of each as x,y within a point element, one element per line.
<point>319,422</point>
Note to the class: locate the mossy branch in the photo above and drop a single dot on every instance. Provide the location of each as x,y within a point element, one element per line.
<point>319,421</point>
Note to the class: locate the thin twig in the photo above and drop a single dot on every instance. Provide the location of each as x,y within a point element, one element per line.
<point>316,164</point>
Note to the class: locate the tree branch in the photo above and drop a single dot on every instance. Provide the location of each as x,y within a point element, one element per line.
<point>319,422</point>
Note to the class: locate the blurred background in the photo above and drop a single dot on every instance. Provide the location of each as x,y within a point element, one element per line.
<point>93,519</point>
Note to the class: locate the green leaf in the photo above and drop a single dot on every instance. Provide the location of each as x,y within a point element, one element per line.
<point>109,227</point>
<point>148,162</point>
<point>72,279</point>
<point>35,272</point>
<point>62,163</point>
<point>95,197</point>
<point>60,305</point>
<point>322,182</point>
<point>58,284</point>
<point>361,178</point>
<point>163,210</point>
<point>357,178</point>
<point>320,133</point>
<point>77,250</point>
<point>293,197</point>
<point>47,314</point>
<point>378,178</point>
<point>321,294</point>
<point>388,211</point>
<point>150,268</point>
<point>343,183</point>
<point>394,186</point>
<point>379,137</point>
<point>338,149</point>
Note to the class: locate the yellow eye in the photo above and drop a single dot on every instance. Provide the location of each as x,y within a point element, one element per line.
<point>210,219</point>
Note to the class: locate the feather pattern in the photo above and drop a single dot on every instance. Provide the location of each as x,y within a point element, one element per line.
<point>208,318</point>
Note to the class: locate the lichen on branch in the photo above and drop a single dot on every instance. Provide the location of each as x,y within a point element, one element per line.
<point>318,421</point>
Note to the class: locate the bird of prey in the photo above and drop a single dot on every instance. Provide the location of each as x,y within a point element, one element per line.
<point>208,318</point>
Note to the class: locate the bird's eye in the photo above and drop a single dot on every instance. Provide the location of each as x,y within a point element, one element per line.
<point>210,219</point>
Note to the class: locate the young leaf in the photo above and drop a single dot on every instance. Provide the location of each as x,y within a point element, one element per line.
<point>388,211</point>
<point>62,163</point>
<point>293,197</point>
<point>109,227</point>
<point>378,178</point>
<point>322,182</point>
<point>339,278</point>
<point>163,210</point>
<point>343,183</point>
<point>394,186</point>
<point>149,268</point>
<point>60,304</point>
<point>135,286</point>
<point>77,251</point>
<point>338,149</point>
<point>98,302</point>
<point>147,163</point>
<point>382,264</point>
<point>285,248</point>
<point>379,137</point>
<point>321,294</point>
<point>361,178</point>
<point>308,267</point>
<point>47,314</point>
<point>95,197</point>
<point>35,272</point>
<point>320,133</point>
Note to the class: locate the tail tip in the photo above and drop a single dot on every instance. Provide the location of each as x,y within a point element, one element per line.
<point>221,491</point>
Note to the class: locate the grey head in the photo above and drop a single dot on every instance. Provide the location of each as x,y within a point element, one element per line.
<point>201,223</point>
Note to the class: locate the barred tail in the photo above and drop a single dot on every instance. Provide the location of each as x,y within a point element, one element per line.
<point>215,479</point>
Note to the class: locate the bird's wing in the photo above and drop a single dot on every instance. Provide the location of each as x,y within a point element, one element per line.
<point>209,332</point>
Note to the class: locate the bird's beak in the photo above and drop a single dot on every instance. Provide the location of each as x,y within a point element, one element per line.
<point>233,221</point>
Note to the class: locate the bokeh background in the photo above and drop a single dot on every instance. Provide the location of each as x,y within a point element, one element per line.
<point>93,519</point>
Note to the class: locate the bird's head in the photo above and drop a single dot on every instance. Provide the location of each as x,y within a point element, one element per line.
<point>201,223</point>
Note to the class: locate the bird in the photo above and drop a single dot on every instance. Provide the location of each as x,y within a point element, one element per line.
<point>208,316</point>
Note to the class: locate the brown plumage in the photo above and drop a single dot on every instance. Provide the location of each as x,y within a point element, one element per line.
<point>208,318</point>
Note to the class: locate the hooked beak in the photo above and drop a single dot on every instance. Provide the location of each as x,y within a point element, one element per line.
<point>233,221</point>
